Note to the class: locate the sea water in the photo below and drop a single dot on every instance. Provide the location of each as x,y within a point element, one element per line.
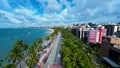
<point>8,36</point>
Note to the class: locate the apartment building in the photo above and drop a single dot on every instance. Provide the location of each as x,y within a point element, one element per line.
<point>95,35</point>
<point>118,31</point>
<point>82,33</point>
<point>111,29</point>
<point>110,48</point>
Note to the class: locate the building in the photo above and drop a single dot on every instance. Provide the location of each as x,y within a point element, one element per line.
<point>92,25</point>
<point>111,29</point>
<point>89,33</point>
<point>118,31</point>
<point>114,41</point>
<point>110,48</point>
<point>95,35</point>
<point>82,33</point>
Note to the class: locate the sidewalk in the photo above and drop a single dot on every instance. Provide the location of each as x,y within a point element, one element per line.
<point>54,52</point>
<point>45,56</point>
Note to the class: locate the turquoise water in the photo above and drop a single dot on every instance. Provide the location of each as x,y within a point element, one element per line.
<point>28,35</point>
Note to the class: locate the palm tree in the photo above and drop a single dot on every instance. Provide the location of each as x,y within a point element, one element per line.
<point>10,66</point>
<point>19,43</point>
<point>15,56</point>
<point>22,46</point>
<point>39,44</point>
<point>25,48</point>
<point>39,41</point>
<point>33,48</point>
<point>18,53</point>
<point>1,63</point>
<point>40,48</point>
<point>33,60</point>
<point>47,38</point>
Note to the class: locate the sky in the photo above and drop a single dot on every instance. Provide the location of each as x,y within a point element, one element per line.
<point>27,13</point>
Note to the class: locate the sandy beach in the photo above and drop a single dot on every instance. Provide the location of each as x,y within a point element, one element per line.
<point>51,30</point>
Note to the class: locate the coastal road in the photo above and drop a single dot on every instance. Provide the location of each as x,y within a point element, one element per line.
<point>54,56</point>
<point>58,53</point>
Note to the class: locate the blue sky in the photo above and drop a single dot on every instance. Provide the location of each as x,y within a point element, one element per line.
<point>20,13</point>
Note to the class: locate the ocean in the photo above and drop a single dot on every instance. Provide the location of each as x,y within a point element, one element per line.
<point>8,36</point>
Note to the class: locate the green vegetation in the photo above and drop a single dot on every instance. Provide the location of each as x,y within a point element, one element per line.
<point>56,30</point>
<point>34,50</point>
<point>30,54</point>
<point>10,66</point>
<point>33,60</point>
<point>74,53</point>
<point>47,38</point>
<point>17,54</point>
<point>21,51</point>
<point>39,41</point>
<point>1,63</point>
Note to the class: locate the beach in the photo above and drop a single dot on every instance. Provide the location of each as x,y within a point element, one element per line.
<point>51,30</point>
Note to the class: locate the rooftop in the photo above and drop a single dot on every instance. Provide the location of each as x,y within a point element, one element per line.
<point>112,37</point>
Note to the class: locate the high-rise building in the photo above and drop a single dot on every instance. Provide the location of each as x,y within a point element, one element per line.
<point>118,31</point>
<point>82,33</point>
<point>88,34</point>
<point>111,29</point>
<point>110,48</point>
<point>95,35</point>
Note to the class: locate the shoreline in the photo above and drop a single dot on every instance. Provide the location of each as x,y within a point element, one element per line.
<point>51,30</point>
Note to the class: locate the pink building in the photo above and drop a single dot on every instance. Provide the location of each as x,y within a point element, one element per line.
<point>92,37</point>
<point>95,35</point>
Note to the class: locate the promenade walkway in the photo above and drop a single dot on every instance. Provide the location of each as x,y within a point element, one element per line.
<point>51,53</point>
<point>54,52</point>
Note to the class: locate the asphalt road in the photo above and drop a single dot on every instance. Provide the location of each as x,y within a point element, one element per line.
<point>58,53</point>
<point>55,56</point>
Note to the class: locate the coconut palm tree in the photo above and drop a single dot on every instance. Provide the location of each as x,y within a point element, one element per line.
<point>39,41</point>
<point>1,63</point>
<point>33,60</point>
<point>40,48</point>
<point>39,45</point>
<point>10,66</point>
<point>18,53</point>
<point>23,47</point>
<point>33,48</point>
<point>47,39</point>
<point>15,56</point>
<point>20,44</point>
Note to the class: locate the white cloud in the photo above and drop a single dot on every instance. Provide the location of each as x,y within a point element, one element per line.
<point>50,6</point>
<point>51,12</point>
<point>25,11</point>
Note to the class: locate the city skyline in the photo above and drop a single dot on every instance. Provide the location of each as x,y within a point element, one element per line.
<point>28,13</point>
